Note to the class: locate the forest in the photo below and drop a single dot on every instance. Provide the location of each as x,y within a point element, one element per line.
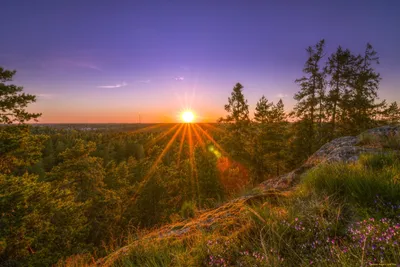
<point>66,191</point>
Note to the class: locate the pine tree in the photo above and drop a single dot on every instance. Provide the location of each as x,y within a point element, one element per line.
<point>13,102</point>
<point>311,93</point>
<point>237,123</point>
<point>339,68</point>
<point>392,114</point>
<point>363,95</point>
<point>277,114</point>
<point>269,139</point>
<point>263,109</point>
<point>237,107</point>
<point>79,171</point>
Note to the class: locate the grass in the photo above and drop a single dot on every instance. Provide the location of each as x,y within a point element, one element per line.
<point>391,141</point>
<point>339,215</point>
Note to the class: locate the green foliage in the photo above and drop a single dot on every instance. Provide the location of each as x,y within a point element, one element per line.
<point>237,107</point>
<point>262,113</point>
<point>18,148</point>
<point>311,93</point>
<point>40,224</point>
<point>237,123</point>
<point>78,171</point>
<point>12,101</point>
<point>269,139</point>
<point>391,115</point>
<point>373,175</point>
<point>188,210</point>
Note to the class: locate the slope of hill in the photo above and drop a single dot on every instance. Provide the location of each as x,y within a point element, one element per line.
<point>341,208</point>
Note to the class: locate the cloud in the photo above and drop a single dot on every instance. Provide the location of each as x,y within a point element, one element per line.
<point>179,78</point>
<point>44,96</point>
<point>282,95</point>
<point>79,64</point>
<point>118,85</point>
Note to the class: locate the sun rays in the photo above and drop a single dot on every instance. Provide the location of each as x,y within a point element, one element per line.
<point>191,134</point>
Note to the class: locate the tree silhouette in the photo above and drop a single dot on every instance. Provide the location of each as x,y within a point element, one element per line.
<point>13,102</point>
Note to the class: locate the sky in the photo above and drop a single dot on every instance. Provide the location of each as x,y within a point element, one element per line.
<point>94,61</point>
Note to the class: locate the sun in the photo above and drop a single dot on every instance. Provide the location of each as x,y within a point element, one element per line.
<point>187,116</point>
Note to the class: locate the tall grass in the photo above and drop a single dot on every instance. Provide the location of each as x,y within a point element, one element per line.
<point>360,183</point>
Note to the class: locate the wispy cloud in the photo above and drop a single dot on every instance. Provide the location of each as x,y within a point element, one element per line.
<point>80,64</point>
<point>179,78</point>
<point>282,95</point>
<point>118,85</point>
<point>45,96</point>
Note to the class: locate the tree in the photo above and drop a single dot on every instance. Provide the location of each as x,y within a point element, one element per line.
<point>364,85</point>
<point>237,107</point>
<point>339,68</point>
<point>19,149</point>
<point>263,110</point>
<point>40,224</point>
<point>277,114</point>
<point>268,139</point>
<point>237,123</point>
<point>79,171</point>
<point>13,102</point>
<point>210,188</point>
<point>392,114</point>
<point>311,92</point>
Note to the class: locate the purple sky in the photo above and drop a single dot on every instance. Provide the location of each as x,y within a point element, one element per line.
<point>108,61</point>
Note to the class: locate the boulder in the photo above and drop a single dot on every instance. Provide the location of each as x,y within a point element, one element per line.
<point>344,149</point>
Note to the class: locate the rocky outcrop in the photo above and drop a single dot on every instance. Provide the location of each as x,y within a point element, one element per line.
<point>344,149</point>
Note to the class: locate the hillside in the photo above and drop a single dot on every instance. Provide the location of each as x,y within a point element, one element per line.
<point>340,208</point>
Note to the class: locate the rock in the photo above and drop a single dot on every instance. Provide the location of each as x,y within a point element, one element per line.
<point>384,131</point>
<point>344,149</point>
<point>334,151</point>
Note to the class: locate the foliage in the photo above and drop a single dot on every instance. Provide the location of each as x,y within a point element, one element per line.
<point>311,94</point>
<point>12,101</point>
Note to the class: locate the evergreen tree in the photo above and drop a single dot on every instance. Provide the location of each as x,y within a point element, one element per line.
<point>277,114</point>
<point>210,189</point>
<point>392,114</point>
<point>364,86</point>
<point>263,109</point>
<point>311,93</point>
<point>12,101</point>
<point>237,107</point>
<point>237,123</point>
<point>79,171</point>
<point>269,139</point>
<point>339,68</point>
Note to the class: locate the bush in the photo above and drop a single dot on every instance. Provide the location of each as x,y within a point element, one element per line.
<point>188,209</point>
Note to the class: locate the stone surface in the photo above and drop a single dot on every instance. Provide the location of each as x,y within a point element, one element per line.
<point>344,149</point>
